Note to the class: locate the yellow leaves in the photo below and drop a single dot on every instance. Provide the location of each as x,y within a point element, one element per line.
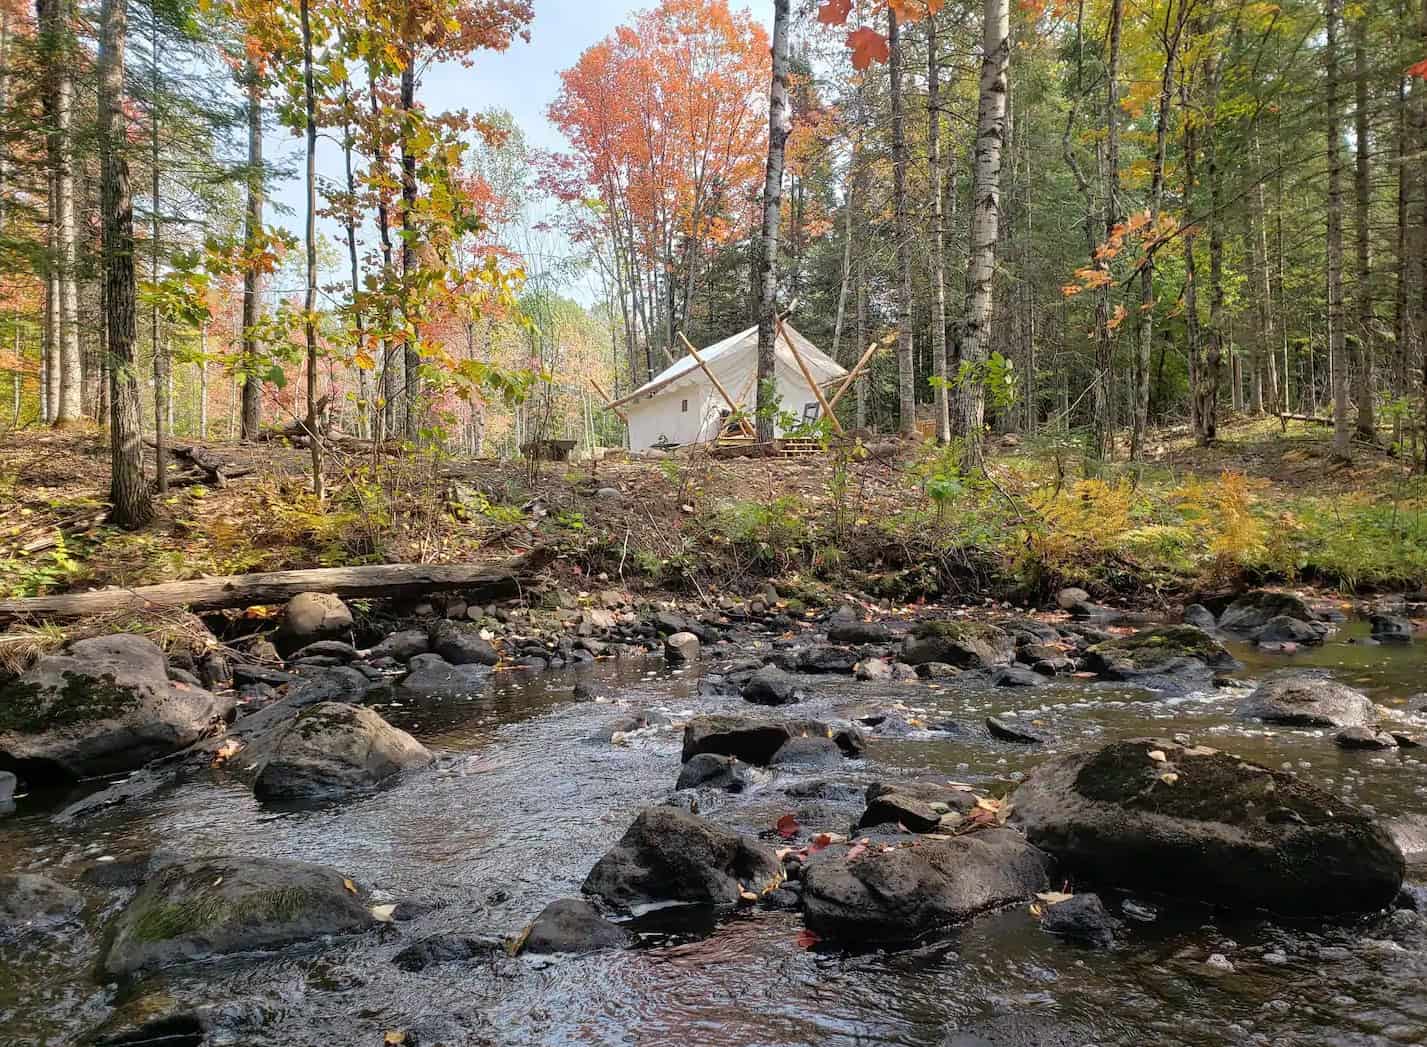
<point>350,886</point>
<point>363,360</point>
<point>1116,319</point>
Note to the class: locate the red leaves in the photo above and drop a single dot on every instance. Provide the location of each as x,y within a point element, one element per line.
<point>857,849</point>
<point>867,46</point>
<point>807,939</point>
<point>1418,70</point>
<point>788,827</point>
<point>834,12</point>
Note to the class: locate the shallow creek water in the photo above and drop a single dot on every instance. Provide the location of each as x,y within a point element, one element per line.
<point>524,801</point>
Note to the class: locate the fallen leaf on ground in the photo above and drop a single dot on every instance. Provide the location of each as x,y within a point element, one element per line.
<point>788,826</point>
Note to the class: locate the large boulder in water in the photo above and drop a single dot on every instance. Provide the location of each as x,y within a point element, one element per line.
<point>1253,610</point>
<point>104,706</point>
<point>431,676</point>
<point>669,855</point>
<point>1306,699</point>
<point>966,645</point>
<point>462,644</point>
<point>216,906</point>
<point>756,741</point>
<point>904,892</point>
<point>1166,657</point>
<point>1200,824</point>
<point>332,749</point>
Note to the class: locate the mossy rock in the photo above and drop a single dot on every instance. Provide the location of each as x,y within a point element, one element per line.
<point>966,645</point>
<point>105,705</point>
<point>217,906</point>
<point>1200,824</point>
<point>1155,648</point>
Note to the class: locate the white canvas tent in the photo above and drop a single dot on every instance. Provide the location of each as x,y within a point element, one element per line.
<point>681,405</point>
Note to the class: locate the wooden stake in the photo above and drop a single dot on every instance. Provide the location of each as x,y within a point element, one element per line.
<point>857,370</point>
<point>610,403</point>
<point>717,384</point>
<point>808,377</point>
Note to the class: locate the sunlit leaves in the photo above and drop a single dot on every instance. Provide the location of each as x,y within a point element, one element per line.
<point>867,46</point>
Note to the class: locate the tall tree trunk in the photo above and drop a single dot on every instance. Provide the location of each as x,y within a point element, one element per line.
<point>309,322</point>
<point>68,406</point>
<point>252,414</point>
<point>1169,36</point>
<point>938,244</point>
<point>1213,370</point>
<point>779,118</point>
<point>364,396</point>
<point>128,494</point>
<point>411,351</point>
<point>203,383</point>
<point>906,363</point>
<point>393,362</point>
<point>1342,446</point>
<point>1402,324</point>
<point>985,214</point>
<point>1419,94</point>
<point>860,392</point>
<point>1266,365</point>
<point>1362,187</point>
<point>156,342</point>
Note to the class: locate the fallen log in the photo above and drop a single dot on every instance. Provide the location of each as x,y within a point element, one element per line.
<point>250,590</point>
<point>215,469</point>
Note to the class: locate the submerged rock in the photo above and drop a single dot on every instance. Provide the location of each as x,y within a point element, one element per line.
<point>331,750</point>
<point>1307,699</point>
<point>1204,825</point>
<point>446,948</point>
<point>912,890</point>
<point>1007,730</point>
<point>966,645</point>
<point>572,926</point>
<point>1389,628</point>
<point>1364,738</point>
<point>668,855</point>
<point>216,906</point>
<point>1282,629</point>
<point>1081,918</point>
<point>31,902</point>
<point>432,676</point>
<point>755,741</point>
<point>1164,657</point>
<point>104,706</point>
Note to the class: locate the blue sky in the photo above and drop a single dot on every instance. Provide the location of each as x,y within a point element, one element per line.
<point>523,80</point>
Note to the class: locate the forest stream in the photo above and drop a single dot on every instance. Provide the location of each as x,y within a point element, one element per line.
<point>526,796</point>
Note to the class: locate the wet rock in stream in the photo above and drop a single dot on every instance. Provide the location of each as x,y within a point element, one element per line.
<point>32,902</point>
<point>446,948</point>
<point>756,741</point>
<point>571,925</point>
<point>920,807</point>
<point>1080,918</point>
<point>1199,824</point>
<point>712,771</point>
<point>770,685</point>
<point>332,750</point>
<point>669,855</point>
<point>1168,657</point>
<point>965,645</point>
<point>431,676</point>
<point>1249,613</point>
<point>909,891</point>
<point>1307,699</point>
<point>217,906</point>
<point>105,705</point>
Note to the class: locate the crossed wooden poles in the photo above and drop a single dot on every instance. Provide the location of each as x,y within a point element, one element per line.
<point>823,402</point>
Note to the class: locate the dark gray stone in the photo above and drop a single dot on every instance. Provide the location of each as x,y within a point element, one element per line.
<point>856,632</point>
<point>807,754</point>
<point>770,686</point>
<point>669,855</point>
<point>712,771</point>
<point>446,948</point>
<point>431,676</point>
<point>1016,676</point>
<point>462,644</point>
<point>1007,730</point>
<point>755,741</point>
<point>1283,629</point>
<point>1390,628</point>
<point>1199,616</point>
<point>402,646</point>
<point>1251,611</point>
<point>571,925</point>
<point>966,645</point>
<point>338,649</point>
<point>1080,918</point>
<point>31,902</point>
<point>313,616</point>
<point>1364,738</point>
<point>1167,657</point>
<point>914,890</point>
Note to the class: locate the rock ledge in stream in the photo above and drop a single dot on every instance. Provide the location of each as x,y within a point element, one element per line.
<point>905,892</point>
<point>1306,699</point>
<point>216,906</point>
<point>1253,610</point>
<point>1165,657</point>
<point>104,706</point>
<point>1204,825</point>
<point>333,749</point>
<point>668,855</point>
<point>756,741</point>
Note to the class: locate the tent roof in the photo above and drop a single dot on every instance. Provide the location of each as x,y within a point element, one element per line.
<point>824,368</point>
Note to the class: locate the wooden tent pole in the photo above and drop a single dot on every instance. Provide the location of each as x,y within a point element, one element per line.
<point>856,370</point>
<point>610,403</point>
<point>717,384</point>
<point>808,377</point>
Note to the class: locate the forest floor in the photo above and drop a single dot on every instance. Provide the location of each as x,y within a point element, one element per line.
<point>895,520</point>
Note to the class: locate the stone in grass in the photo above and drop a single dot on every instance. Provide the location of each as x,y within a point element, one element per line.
<point>211,907</point>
